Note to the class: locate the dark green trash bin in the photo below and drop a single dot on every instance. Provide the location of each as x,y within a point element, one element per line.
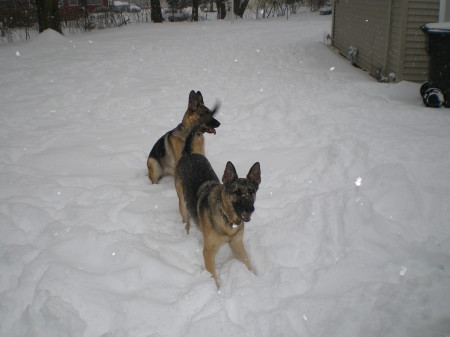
<point>436,92</point>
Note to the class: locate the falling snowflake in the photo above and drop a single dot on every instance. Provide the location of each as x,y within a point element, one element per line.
<point>403,271</point>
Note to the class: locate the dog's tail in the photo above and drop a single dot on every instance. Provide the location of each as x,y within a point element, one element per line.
<point>216,108</point>
<point>187,149</point>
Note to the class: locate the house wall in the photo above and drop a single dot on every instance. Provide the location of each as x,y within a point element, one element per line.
<point>387,34</point>
<point>91,3</point>
<point>362,24</point>
<point>444,11</point>
<point>396,47</point>
<point>420,12</point>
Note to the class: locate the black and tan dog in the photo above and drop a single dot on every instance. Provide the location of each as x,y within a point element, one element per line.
<point>219,210</point>
<point>167,150</point>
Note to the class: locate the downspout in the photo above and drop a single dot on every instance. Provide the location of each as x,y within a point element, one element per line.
<point>390,75</point>
<point>443,9</point>
<point>334,21</point>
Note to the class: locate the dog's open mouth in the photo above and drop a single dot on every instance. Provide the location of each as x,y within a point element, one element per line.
<point>209,129</point>
<point>246,217</point>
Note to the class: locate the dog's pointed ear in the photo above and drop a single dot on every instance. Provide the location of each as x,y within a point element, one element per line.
<point>230,174</point>
<point>200,97</point>
<point>193,100</point>
<point>254,175</point>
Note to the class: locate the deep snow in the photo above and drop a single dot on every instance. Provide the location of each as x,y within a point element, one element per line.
<point>351,234</point>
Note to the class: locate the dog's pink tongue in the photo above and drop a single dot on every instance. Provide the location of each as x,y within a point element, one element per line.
<point>246,216</point>
<point>211,130</point>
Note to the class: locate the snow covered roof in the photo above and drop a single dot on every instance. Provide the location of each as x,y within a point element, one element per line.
<point>120,3</point>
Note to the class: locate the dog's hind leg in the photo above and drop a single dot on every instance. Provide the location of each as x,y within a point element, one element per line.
<point>154,170</point>
<point>182,204</point>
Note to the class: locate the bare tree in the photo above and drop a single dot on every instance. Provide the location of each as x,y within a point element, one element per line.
<point>48,15</point>
<point>221,10</point>
<point>195,4</point>
<point>316,4</point>
<point>239,7</point>
<point>156,15</point>
<point>87,24</point>
<point>15,14</point>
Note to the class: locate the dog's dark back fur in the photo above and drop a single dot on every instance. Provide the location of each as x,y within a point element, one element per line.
<point>199,169</point>
<point>158,151</point>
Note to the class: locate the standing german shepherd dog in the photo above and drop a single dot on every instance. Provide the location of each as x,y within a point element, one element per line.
<point>219,210</point>
<point>167,150</point>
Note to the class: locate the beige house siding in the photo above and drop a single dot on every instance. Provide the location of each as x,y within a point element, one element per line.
<point>396,49</point>
<point>416,57</point>
<point>362,25</point>
<point>387,35</point>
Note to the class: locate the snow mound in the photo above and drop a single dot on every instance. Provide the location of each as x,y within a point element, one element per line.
<point>50,36</point>
<point>47,43</point>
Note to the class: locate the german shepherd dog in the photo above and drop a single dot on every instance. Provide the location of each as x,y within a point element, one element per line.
<point>167,150</point>
<point>219,210</point>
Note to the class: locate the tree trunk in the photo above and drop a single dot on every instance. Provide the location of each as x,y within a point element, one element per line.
<point>156,15</point>
<point>85,14</point>
<point>239,7</point>
<point>48,15</point>
<point>195,10</point>
<point>221,10</point>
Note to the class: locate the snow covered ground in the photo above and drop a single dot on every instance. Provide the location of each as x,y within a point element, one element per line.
<point>351,234</point>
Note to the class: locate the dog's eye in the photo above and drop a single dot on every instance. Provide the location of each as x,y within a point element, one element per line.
<point>238,192</point>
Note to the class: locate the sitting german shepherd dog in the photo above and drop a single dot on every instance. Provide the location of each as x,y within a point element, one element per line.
<point>219,210</point>
<point>167,150</point>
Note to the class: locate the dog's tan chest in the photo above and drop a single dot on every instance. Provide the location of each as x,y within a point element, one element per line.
<point>230,230</point>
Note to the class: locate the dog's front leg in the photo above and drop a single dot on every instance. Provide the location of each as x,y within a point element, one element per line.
<point>211,246</point>
<point>238,249</point>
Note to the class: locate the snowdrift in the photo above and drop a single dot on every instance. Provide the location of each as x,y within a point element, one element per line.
<point>351,232</point>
